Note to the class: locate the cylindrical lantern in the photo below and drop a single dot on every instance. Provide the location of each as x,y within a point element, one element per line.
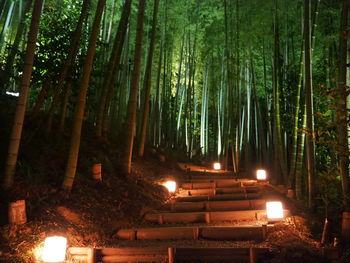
<point>17,212</point>
<point>54,249</point>
<point>217,166</point>
<point>345,227</point>
<point>274,211</point>
<point>97,171</point>
<point>261,175</point>
<point>171,186</point>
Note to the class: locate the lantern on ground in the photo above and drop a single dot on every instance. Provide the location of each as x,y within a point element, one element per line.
<point>217,166</point>
<point>171,186</point>
<point>274,211</point>
<point>261,175</point>
<point>54,249</point>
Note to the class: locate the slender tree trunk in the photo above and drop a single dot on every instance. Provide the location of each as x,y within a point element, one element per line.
<point>73,50</point>
<point>6,25</point>
<point>309,106</point>
<point>278,142</point>
<point>178,89</point>
<point>80,106</point>
<point>300,158</point>
<point>112,67</point>
<point>147,81</point>
<point>157,101</point>
<point>132,105</point>
<point>342,115</point>
<point>6,73</point>
<point>2,8</point>
<point>297,104</point>
<point>16,133</point>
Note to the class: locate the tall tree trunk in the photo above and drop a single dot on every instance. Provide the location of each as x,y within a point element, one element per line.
<point>157,100</point>
<point>342,115</point>
<point>147,81</point>
<point>178,88</point>
<point>278,142</point>
<point>132,105</point>
<point>6,73</point>
<point>112,67</point>
<point>300,158</point>
<point>309,106</point>
<point>73,50</point>
<point>81,101</point>
<point>17,127</point>
<point>6,25</point>
<point>297,104</point>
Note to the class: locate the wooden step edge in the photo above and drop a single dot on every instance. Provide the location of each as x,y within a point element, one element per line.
<point>225,205</point>
<point>171,254</point>
<point>222,197</point>
<point>258,233</point>
<point>208,217</point>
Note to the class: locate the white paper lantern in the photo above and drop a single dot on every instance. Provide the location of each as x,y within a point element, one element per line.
<point>274,210</point>
<point>54,249</point>
<point>171,186</point>
<point>261,175</point>
<point>217,166</point>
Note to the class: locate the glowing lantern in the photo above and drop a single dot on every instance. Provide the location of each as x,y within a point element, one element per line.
<point>171,186</point>
<point>274,210</point>
<point>261,175</point>
<point>54,249</point>
<point>217,166</point>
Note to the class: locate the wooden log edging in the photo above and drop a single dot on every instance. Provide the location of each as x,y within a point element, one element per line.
<point>219,191</point>
<point>167,254</point>
<point>213,176</point>
<point>216,183</point>
<point>258,233</point>
<point>171,255</point>
<point>227,205</point>
<point>208,217</point>
<point>235,196</point>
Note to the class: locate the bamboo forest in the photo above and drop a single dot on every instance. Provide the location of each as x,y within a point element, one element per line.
<point>105,104</point>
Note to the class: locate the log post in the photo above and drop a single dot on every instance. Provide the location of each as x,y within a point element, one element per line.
<point>17,212</point>
<point>97,171</point>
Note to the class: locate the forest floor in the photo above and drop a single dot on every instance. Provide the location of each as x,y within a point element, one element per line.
<point>91,215</point>
<point>96,210</point>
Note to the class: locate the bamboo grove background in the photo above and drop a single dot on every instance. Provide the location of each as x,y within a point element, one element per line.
<point>251,83</point>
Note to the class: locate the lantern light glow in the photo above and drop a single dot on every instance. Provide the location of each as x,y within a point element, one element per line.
<point>261,175</point>
<point>274,210</point>
<point>217,166</point>
<point>171,186</point>
<point>54,249</point>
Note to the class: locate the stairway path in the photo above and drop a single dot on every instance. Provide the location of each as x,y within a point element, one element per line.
<point>215,216</point>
